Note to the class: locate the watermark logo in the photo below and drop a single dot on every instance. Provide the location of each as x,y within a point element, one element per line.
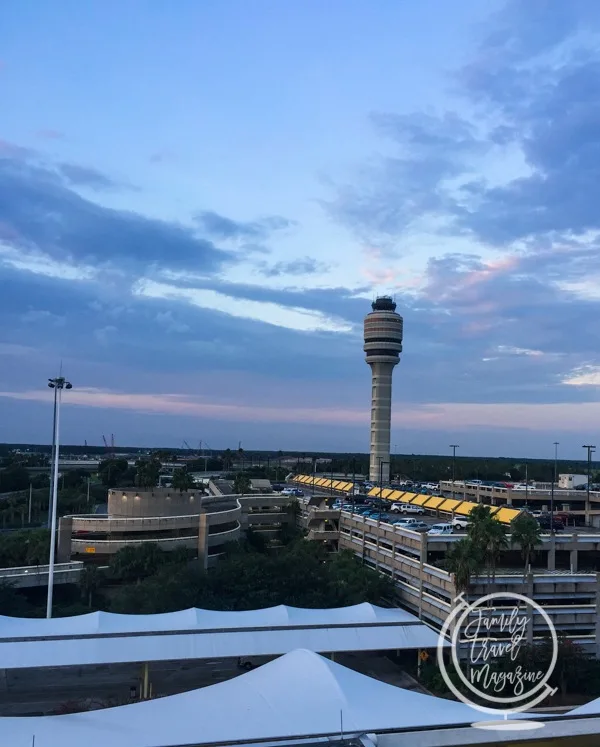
<point>487,637</point>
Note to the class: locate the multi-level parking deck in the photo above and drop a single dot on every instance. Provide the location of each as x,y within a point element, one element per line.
<point>564,582</point>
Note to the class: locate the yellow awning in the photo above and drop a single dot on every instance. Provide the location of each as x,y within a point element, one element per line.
<point>419,500</point>
<point>506,515</point>
<point>386,493</point>
<point>449,504</point>
<point>434,502</point>
<point>348,486</point>
<point>465,508</point>
<point>303,478</point>
<point>408,497</point>
<point>395,495</point>
<point>373,492</point>
<point>335,484</point>
<point>320,481</point>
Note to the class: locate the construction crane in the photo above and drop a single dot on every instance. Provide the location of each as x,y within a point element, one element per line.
<point>110,449</point>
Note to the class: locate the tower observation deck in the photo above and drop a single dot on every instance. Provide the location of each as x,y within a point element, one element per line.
<point>383,345</point>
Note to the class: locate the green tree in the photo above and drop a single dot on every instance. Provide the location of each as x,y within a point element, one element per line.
<point>241,484</point>
<point>37,544</point>
<point>12,603</point>
<point>526,533</point>
<point>148,471</point>
<point>110,471</point>
<point>182,480</point>
<point>135,562</point>
<point>464,560</point>
<point>90,581</point>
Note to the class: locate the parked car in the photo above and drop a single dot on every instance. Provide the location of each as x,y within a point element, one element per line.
<point>397,507</point>
<point>441,529</point>
<point>546,523</point>
<point>419,526</point>
<point>460,522</point>
<point>297,492</point>
<point>409,509</point>
<point>413,524</point>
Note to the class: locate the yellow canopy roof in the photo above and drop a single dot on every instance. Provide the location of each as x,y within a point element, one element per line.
<point>434,502</point>
<point>449,504</point>
<point>408,497</point>
<point>395,495</point>
<point>465,508</point>
<point>506,515</point>
<point>419,500</point>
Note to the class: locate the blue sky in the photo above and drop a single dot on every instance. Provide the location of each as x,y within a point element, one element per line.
<point>198,201</point>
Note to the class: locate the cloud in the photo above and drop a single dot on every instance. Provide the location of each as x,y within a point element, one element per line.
<point>303,266</point>
<point>44,216</point>
<point>84,176</point>
<point>41,316</point>
<point>289,317</point>
<point>392,193</point>
<point>584,376</point>
<point>220,227</point>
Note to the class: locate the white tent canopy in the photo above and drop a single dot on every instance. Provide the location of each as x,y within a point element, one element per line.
<point>107,623</point>
<point>104,638</point>
<point>299,695</point>
<point>232,644</point>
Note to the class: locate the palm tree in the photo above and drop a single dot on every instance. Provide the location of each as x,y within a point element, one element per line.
<point>488,536</point>
<point>497,543</point>
<point>227,460</point>
<point>463,560</point>
<point>526,532</point>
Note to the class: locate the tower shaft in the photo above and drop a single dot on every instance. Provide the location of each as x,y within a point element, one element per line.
<point>381,421</point>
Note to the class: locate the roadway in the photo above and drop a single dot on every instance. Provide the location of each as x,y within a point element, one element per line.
<point>27,692</point>
<point>30,692</point>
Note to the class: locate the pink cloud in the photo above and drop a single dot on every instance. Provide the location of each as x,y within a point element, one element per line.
<point>574,417</point>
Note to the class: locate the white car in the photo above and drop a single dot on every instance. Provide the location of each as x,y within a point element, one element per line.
<point>441,529</point>
<point>397,507</point>
<point>460,522</point>
<point>410,509</point>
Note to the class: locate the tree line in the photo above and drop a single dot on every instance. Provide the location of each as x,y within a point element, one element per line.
<point>144,579</point>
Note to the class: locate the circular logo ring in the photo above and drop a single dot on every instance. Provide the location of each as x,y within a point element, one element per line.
<point>456,618</point>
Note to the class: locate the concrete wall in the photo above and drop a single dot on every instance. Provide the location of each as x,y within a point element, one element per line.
<point>156,502</point>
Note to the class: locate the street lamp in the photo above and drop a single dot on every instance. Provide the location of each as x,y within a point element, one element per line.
<point>590,449</point>
<point>454,447</point>
<point>556,445</point>
<point>58,385</point>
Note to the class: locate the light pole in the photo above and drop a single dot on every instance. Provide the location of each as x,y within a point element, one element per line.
<point>58,385</point>
<point>454,447</point>
<point>556,445</point>
<point>590,449</point>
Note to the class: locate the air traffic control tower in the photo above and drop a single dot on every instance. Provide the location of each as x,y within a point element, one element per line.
<point>383,345</point>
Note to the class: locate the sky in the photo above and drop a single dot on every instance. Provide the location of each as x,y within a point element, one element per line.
<point>200,200</point>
